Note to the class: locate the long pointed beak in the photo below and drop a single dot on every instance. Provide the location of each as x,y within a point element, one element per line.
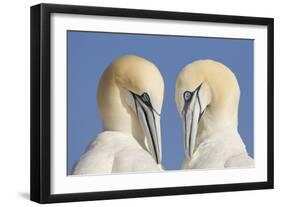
<point>150,122</point>
<point>191,115</point>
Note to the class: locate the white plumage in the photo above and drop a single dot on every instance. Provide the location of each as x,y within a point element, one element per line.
<point>114,152</point>
<point>223,149</point>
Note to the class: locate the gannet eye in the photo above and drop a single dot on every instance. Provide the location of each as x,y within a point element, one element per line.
<point>187,95</point>
<point>145,98</point>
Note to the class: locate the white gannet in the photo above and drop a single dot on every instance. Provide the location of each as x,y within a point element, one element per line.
<point>129,97</point>
<point>207,98</point>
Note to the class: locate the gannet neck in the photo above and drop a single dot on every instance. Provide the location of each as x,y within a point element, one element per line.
<point>210,125</point>
<point>218,118</point>
<point>221,113</point>
<point>116,115</point>
<point>130,96</point>
<point>207,98</point>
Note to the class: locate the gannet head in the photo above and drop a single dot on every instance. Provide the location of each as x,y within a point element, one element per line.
<point>207,97</point>
<point>130,96</point>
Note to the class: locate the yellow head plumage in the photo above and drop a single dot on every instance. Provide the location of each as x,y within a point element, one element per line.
<point>130,96</point>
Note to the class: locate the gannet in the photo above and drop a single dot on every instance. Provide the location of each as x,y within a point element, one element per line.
<point>129,97</point>
<point>207,98</point>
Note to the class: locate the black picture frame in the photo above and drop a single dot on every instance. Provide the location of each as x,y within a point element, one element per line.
<point>41,99</point>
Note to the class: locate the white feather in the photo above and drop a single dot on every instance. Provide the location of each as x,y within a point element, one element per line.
<point>114,152</point>
<point>224,149</point>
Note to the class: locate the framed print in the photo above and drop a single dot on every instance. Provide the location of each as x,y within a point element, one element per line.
<point>132,103</point>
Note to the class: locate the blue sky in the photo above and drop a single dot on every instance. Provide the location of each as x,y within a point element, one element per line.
<point>89,53</point>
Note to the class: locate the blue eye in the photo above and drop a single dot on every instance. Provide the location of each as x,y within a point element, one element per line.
<point>187,95</point>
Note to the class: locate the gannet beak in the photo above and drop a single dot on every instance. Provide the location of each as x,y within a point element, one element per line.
<point>149,119</point>
<point>191,115</point>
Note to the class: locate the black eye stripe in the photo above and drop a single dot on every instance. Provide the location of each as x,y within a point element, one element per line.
<point>145,97</point>
<point>187,95</point>
<point>146,100</point>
